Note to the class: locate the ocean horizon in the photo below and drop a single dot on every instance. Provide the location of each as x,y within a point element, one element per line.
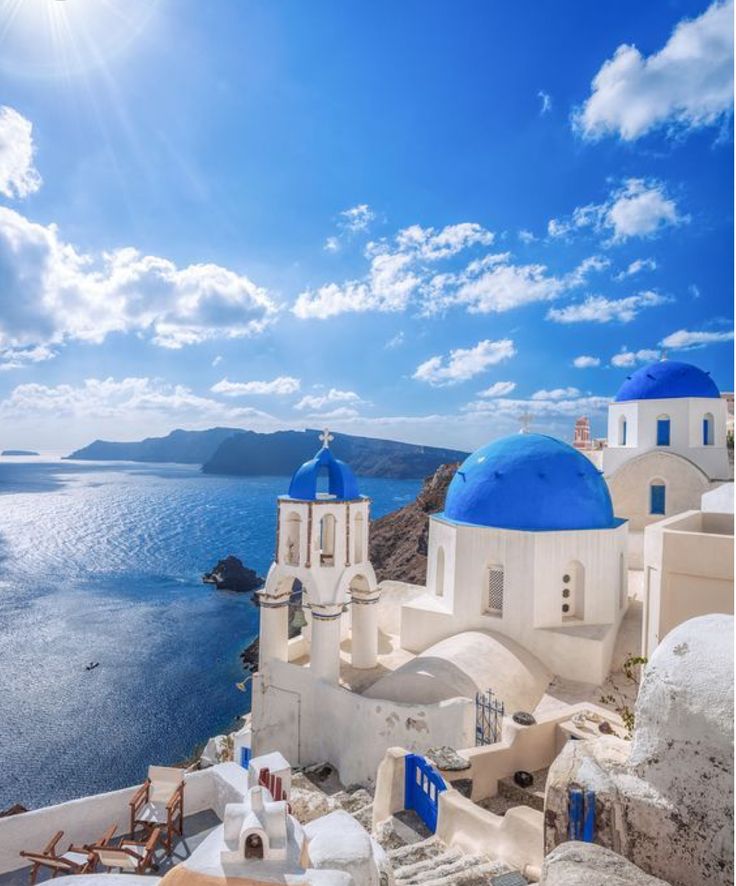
<point>103,561</point>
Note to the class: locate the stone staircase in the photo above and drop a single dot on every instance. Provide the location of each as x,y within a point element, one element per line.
<point>430,863</point>
<point>417,857</point>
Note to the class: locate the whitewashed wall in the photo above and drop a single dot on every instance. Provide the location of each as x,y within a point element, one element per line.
<point>311,721</point>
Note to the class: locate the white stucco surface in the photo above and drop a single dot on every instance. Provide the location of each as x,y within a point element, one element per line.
<point>718,500</point>
<point>464,664</point>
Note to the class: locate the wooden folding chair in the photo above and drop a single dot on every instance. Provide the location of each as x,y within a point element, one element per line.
<point>159,802</point>
<point>134,856</point>
<point>76,859</point>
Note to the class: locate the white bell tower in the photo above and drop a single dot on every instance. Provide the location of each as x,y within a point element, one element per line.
<point>322,541</point>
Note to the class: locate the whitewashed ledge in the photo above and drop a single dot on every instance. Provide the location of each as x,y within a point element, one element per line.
<point>107,880</point>
<point>85,820</point>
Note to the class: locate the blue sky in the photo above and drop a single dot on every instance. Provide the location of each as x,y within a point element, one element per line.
<point>414,220</point>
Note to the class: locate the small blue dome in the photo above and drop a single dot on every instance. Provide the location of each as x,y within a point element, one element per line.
<point>341,480</point>
<point>530,482</point>
<point>666,380</point>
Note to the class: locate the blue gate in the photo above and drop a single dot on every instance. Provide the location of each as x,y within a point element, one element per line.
<point>423,785</point>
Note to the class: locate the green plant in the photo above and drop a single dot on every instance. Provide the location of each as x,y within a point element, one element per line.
<point>618,699</point>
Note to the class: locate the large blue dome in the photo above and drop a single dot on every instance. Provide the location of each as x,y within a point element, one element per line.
<point>341,480</point>
<point>666,380</point>
<point>530,482</point>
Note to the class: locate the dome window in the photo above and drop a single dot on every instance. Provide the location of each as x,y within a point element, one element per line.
<point>494,591</point>
<point>708,429</point>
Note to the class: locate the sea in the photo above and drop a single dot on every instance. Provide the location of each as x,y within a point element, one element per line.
<point>103,562</point>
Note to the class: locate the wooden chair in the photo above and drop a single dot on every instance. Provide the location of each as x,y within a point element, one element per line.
<point>76,859</point>
<point>159,803</point>
<point>132,856</point>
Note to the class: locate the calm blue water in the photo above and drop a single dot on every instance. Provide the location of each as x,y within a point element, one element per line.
<point>103,562</point>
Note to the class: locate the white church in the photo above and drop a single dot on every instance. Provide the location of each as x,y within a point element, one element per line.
<point>527,580</point>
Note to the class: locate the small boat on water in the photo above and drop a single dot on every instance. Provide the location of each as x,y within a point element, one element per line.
<point>92,665</point>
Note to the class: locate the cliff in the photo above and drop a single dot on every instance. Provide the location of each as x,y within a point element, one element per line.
<point>252,454</point>
<point>398,545</point>
<point>183,447</point>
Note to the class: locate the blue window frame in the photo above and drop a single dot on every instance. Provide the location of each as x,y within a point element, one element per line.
<point>707,431</point>
<point>656,498</point>
<point>663,432</point>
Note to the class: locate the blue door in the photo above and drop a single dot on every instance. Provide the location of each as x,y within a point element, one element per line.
<point>663,432</point>
<point>423,785</point>
<point>244,757</point>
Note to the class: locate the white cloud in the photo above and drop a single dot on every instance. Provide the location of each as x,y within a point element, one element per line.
<point>52,293</point>
<point>396,272</point>
<point>332,244</point>
<point>686,85</point>
<point>546,101</point>
<point>526,236</point>
<point>562,406</point>
<point>464,363</point>
<point>123,399</point>
<point>694,290</point>
<point>19,358</point>
<point>281,386</point>
<point>599,309</point>
<point>357,218</point>
<point>586,362</point>
<point>396,341</point>
<point>631,358</point>
<point>498,389</point>
<point>556,394</point>
<point>334,395</point>
<point>684,339</point>
<point>217,360</point>
<point>639,208</point>
<point>431,244</point>
<point>18,175</point>
<point>636,267</point>
<point>340,412</point>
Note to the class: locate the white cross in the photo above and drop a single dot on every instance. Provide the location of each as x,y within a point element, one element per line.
<point>326,438</point>
<point>526,419</point>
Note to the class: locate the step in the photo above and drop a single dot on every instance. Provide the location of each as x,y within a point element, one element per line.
<point>427,864</point>
<point>410,852</point>
<point>471,870</point>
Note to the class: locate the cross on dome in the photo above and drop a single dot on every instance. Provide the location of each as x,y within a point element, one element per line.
<point>526,419</point>
<point>326,437</point>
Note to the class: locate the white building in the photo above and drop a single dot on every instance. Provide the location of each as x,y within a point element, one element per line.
<point>322,541</point>
<point>688,566</point>
<point>527,548</point>
<point>666,442</point>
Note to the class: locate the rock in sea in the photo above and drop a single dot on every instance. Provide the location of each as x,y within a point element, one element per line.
<point>230,575</point>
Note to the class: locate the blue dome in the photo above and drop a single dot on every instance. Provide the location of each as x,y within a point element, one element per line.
<point>341,480</point>
<point>665,380</point>
<point>530,482</point>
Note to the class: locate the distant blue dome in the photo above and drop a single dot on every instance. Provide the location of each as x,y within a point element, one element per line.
<point>530,482</point>
<point>341,480</point>
<point>666,380</point>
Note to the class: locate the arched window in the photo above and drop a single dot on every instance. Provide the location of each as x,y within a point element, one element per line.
<point>622,431</point>
<point>293,537</point>
<point>657,500</point>
<point>493,604</point>
<point>327,540</point>
<point>708,429</point>
<point>439,577</point>
<point>573,591</point>
<point>358,529</point>
<point>663,430</point>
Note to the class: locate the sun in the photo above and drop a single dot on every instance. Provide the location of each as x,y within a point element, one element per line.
<point>50,38</point>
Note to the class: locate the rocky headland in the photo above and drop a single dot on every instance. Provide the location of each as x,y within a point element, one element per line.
<point>398,542</point>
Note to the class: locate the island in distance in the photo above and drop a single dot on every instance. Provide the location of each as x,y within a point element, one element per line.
<point>252,454</point>
<point>19,452</point>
